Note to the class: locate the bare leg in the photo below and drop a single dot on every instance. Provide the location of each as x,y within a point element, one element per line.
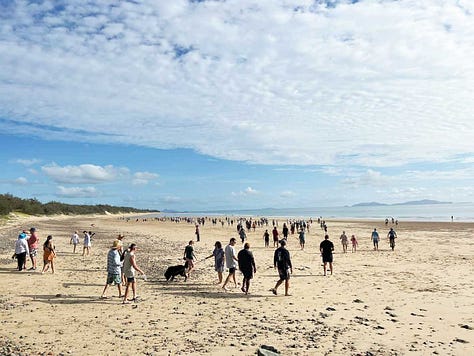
<point>104,295</point>
<point>287,286</point>
<point>325,268</point>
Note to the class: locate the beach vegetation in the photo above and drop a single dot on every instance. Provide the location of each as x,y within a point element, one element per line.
<point>11,204</point>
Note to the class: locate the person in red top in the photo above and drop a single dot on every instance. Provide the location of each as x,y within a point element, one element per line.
<point>275,236</point>
<point>33,243</point>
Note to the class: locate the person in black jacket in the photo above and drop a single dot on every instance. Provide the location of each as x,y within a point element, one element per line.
<point>282,261</point>
<point>246,266</point>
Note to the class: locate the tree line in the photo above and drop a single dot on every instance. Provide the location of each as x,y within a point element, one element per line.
<point>9,204</point>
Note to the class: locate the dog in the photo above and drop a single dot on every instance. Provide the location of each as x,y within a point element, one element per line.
<point>179,270</point>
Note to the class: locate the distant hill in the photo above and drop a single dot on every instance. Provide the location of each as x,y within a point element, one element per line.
<point>372,203</point>
<point>424,202</point>
<point>413,202</point>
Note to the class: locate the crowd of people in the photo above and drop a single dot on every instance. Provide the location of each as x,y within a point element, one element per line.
<point>122,268</point>
<point>27,245</point>
<point>228,258</point>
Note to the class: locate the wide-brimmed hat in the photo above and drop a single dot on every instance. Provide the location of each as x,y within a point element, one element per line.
<point>117,244</point>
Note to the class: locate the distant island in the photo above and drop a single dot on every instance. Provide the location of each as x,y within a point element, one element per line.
<point>413,202</point>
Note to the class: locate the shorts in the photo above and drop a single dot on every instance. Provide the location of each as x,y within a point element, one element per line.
<point>376,242</point>
<point>248,274</point>
<point>33,252</point>
<point>190,263</point>
<point>284,274</point>
<point>327,258</point>
<point>232,270</point>
<point>114,279</point>
<point>219,269</point>
<point>130,279</point>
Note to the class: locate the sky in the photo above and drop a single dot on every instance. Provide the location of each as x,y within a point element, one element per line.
<point>203,105</point>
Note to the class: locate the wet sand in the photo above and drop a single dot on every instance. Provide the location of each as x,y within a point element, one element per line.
<point>415,300</point>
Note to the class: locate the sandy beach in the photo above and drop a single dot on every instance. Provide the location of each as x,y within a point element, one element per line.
<point>415,300</point>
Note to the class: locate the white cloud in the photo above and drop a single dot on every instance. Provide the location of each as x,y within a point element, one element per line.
<point>27,162</point>
<point>368,178</point>
<point>21,181</point>
<point>374,83</point>
<point>143,178</point>
<point>84,173</point>
<point>287,194</point>
<point>77,192</point>
<point>246,192</point>
<point>171,200</point>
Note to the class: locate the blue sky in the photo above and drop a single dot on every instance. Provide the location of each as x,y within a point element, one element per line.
<point>237,104</point>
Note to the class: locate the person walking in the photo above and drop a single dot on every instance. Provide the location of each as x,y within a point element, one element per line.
<point>198,236</point>
<point>282,262</point>
<point>246,266</point>
<point>392,235</point>
<point>242,234</point>
<point>130,268</point>
<point>266,238</point>
<point>344,241</point>
<point>275,236</point>
<point>87,244</point>
<point>33,244</point>
<point>114,274</point>
<point>219,260</point>
<point>301,236</point>
<point>49,254</point>
<point>21,250</point>
<point>189,256</point>
<point>74,241</point>
<point>354,243</point>
<point>375,239</point>
<point>326,247</point>
<point>231,262</point>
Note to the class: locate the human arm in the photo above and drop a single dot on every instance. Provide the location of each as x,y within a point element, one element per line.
<point>134,264</point>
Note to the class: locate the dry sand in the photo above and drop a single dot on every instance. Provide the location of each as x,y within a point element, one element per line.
<point>416,300</point>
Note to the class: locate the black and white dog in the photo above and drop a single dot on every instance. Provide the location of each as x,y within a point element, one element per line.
<point>179,270</point>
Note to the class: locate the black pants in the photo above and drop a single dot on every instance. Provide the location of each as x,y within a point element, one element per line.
<point>21,258</point>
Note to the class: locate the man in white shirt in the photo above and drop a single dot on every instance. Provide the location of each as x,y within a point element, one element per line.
<point>231,262</point>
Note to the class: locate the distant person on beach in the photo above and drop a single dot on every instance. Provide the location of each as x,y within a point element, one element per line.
<point>327,247</point>
<point>74,241</point>
<point>375,239</point>
<point>21,250</point>
<point>130,268</point>
<point>275,237</point>
<point>189,256</point>
<point>266,238</point>
<point>452,218</point>
<point>114,272</point>
<point>242,234</point>
<point>33,244</point>
<point>354,243</point>
<point>344,241</point>
<point>198,237</point>
<point>231,262</point>
<point>301,237</point>
<point>219,260</point>
<point>282,262</point>
<point>285,231</point>
<point>87,243</point>
<point>246,266</point>
<point>392,235</point>
<point>49,254</point>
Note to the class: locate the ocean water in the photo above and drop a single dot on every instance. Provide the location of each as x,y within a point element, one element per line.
<point>462,212</point>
